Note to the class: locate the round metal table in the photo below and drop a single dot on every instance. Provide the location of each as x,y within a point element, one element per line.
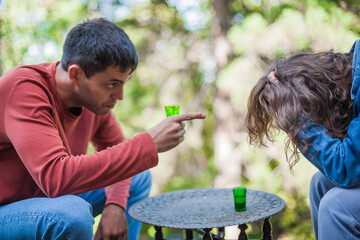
<point>206,208</point>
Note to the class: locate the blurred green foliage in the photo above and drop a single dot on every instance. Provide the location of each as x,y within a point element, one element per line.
<point>178,66</point>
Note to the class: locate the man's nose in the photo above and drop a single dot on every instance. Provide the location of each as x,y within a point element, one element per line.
<point>118,94</point>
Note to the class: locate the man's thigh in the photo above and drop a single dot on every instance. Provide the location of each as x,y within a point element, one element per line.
<point>46,218</point>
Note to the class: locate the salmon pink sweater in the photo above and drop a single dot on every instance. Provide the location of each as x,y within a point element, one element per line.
<point>43,146</point>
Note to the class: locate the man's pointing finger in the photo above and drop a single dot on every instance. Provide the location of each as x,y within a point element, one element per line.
<point>188,116</point>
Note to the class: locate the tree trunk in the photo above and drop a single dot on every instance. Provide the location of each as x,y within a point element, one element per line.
<point>225,118</point>
<point>227,157</point>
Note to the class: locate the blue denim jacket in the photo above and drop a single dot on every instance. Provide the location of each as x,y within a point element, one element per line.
<point>336,159</point>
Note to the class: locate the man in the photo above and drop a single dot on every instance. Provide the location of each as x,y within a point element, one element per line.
<point>315,99</point>
<point>49,113</point>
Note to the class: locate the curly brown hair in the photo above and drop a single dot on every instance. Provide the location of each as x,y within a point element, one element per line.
<point>311,87</point>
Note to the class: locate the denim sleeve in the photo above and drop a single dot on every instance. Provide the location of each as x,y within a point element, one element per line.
<point>338,160</point>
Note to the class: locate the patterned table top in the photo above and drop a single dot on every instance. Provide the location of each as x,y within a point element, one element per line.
<point>204,208</point>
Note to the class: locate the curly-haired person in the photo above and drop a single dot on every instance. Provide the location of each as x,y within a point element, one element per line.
<point>315,99</point>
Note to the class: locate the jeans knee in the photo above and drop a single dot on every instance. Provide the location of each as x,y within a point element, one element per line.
<point>75,214</point>
<point>331,204</point>
<point>325,207</point>
<point>147,180</point>
<point>79,228</point>
<point>317,180</point>
<point>318,186</point>
<point>142,182</point>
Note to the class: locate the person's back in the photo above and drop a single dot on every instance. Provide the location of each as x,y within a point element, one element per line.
<point>16,182</point>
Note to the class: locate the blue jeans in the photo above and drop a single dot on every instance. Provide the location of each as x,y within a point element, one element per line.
<point>66,217</point>
<point>335,211</point>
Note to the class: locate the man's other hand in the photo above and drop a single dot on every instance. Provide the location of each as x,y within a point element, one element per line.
<point>113,224</point>
<point>170,132</point>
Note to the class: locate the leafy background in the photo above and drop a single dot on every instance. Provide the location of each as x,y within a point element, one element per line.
<point>206,56</point>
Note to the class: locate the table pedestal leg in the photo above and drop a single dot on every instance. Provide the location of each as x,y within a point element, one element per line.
<point>158,234</point>
<point>266,230</point>
<point>221,233</point>
<point>242,235</point>
<point>207,235</point>
<point>189,234</point>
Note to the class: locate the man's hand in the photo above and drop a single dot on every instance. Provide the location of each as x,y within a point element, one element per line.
<point>170,132</point>
<point>113,224</point>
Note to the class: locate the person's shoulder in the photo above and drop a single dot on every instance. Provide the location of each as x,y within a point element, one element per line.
<point>39,69</point>
<point>36,78</point>
<point>355,46</point>
<point>29,71</point>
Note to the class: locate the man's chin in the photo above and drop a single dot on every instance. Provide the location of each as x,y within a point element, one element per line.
<point>102,111</point>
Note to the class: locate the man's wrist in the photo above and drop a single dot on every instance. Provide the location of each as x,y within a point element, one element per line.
<point>114,206</point>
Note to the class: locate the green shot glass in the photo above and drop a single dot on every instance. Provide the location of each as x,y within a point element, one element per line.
<point>239,198</point>
<point>172,110</point>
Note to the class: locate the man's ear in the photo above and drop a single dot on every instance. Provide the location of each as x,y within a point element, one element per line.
<point>76,74</point>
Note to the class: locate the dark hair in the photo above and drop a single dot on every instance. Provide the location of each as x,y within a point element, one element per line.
<point>311,87</point>
<point>97,44</point>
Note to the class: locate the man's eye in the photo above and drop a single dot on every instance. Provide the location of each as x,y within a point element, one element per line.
<point>112,85</point>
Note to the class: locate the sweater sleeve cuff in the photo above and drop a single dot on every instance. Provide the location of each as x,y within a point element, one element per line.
<point>118,193</point>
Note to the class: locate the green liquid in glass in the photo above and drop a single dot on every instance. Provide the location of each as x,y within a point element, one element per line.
<point>172,110</point>
<point>239,199</point>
